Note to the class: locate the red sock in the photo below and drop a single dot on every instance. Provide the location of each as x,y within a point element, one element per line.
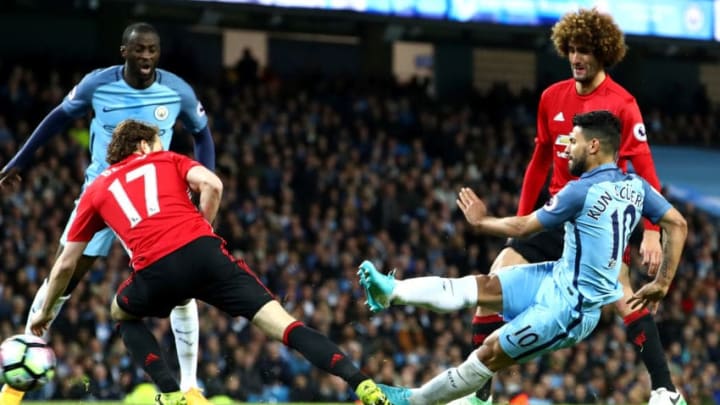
<point>483,326</point>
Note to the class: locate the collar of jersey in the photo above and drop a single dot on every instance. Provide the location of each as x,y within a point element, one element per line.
<point>601,168</point>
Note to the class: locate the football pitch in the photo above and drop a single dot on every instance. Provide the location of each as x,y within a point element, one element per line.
<point>125,403</point>
<point>80,402</point>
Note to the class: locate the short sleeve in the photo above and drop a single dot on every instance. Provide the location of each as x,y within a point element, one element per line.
<point>184,164</point>
<point>563,206</point>
<point>655,205</point>
<point>87,220</point>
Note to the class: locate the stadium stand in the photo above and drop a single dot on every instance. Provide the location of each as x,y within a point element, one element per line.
<point>321,174</point>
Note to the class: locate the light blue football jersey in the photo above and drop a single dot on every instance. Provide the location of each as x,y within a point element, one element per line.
<point>600,211</point>
<point>113,101</point>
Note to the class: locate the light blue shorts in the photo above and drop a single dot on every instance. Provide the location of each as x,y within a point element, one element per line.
<point>100,243</point>
<point>540,318</point>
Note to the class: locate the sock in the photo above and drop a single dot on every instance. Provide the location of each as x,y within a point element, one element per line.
<point>643,333</point>
<point>322,353</point>
<point>438,294</point>
<point>145,350</point>
<point>453,383</point>
<point>482,327</point>
<point>37,304</point>
<point>186,329</point>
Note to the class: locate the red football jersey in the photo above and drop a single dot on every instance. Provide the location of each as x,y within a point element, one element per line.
<point>145,201</point>
<point>559,103</point>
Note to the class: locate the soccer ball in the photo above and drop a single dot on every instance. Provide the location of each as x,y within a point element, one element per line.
<point>27,362</point>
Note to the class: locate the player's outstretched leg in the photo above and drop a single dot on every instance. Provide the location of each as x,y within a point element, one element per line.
<point>449,384</point>
<point>145,350</point>
<point>317,348</point>
<point>186,330</point>
<point>438,294</point>
<point>378,286</point>
<point>369,393</point>
<point>486,322</point>
<point>325,355</point>
<point>396,395</point>
<point>643,333</point>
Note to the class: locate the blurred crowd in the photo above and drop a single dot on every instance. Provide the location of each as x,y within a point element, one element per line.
<point>319,175</point>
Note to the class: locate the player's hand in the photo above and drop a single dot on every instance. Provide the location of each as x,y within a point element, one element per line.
<point>653,307</point>
<point>9,178</point>
<point>471,205</point>
<point>651,251</point>
<point>649,296</point>
<point>40,323</point>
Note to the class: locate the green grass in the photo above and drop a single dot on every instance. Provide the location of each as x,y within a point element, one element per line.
<point>78,402</point>
<point>121,403</point>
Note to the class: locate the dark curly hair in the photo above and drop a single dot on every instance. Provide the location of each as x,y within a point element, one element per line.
<point>593,29</point>
<point>126,137</point>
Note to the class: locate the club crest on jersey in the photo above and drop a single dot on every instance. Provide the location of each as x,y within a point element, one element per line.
<point>161,113</point>
<point>639,132</point>
<point>562,141</point>
<point>200,110</point>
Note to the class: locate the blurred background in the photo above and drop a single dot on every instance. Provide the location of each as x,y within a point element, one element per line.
<point>343,130</point>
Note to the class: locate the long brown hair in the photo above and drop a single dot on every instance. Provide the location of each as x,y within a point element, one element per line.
<point>126,139</point>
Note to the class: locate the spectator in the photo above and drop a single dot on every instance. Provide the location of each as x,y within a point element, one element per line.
<point>319,177</point>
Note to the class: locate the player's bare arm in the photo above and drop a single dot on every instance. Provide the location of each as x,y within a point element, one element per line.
<point>674,228</point>
<point>476,214</point>
<point>205,182</point>
<point>58,281</point>
<point>650,248</point>
<point>651,251</point>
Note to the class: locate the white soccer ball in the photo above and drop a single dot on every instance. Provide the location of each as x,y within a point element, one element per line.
<point>27,362</point>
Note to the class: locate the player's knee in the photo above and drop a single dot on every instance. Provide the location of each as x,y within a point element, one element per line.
<point>507,257</point>
<point>621,306</point>
<point>488,284</point>
<point>117,313</point>
<point>273,320</point>
<point>492,355</point>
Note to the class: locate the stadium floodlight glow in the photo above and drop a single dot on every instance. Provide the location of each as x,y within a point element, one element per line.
<point>717,20</point>
<point>685,19</point>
